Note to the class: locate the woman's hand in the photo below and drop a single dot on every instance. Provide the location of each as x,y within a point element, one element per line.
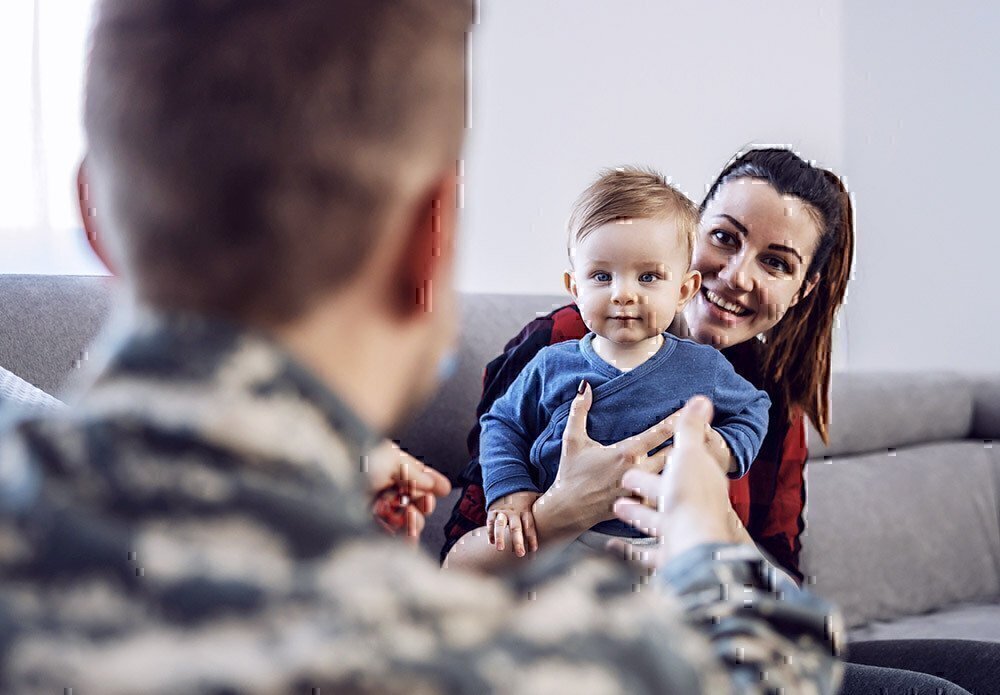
<point>590,474</point>
<point>394,474</point>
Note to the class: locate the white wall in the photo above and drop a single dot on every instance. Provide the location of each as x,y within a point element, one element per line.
<point>922,146</point>
<point>562,88</point>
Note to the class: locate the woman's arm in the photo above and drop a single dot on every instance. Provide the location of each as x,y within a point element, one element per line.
<point>584,492</point>
<point>779,528</point>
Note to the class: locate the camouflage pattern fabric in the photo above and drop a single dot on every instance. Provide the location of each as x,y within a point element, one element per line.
<point>199,522</point>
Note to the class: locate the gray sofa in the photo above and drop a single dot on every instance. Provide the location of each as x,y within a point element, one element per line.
<point>903,508</point>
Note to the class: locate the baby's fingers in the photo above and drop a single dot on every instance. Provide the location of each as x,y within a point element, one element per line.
<point>530,534</point>
<point>517,534</point>
<point>491,519</point>
<point>499,529</point>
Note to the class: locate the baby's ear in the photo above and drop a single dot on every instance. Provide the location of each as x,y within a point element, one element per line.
<point>569,282</point>
<point>689,288</point>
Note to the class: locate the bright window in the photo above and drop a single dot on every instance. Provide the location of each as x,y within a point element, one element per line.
<point>42,54</point>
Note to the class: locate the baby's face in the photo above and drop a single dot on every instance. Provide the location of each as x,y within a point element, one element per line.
<point>630,278</point>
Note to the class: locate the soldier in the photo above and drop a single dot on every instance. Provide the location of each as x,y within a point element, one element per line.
<point>278,185</point>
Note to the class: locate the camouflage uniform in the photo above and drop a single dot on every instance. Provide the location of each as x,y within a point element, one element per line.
<point>199,523</point>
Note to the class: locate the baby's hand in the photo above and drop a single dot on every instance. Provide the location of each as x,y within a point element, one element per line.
<point>721,452</point>
<point>512,515</point>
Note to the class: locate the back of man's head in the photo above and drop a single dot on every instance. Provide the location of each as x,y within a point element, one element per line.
<point>249,155</point>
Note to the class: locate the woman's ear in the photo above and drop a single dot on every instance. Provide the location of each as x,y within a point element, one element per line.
<point>569,282</point>
<point>689,288</point>
<point>807,288</point>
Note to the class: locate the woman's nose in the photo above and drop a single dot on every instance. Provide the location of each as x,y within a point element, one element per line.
<point>736,274</point>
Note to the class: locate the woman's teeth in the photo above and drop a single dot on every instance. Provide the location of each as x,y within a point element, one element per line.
<point>723,304</point>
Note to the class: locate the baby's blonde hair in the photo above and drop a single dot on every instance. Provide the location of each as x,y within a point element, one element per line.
<point>631,193</point>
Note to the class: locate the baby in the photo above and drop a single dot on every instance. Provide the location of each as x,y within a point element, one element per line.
<point>631,239</point>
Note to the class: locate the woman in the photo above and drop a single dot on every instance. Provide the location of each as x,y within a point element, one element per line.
<point>774,249</point>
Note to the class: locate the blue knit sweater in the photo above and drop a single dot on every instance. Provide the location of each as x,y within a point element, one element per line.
<point>521,438</point>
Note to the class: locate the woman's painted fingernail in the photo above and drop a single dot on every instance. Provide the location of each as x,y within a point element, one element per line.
<point>582,387</point>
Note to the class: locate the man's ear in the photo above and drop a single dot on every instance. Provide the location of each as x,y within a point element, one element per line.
<point>809,286</point>
<point>428,253</point>
<point>689,288</point>
<point>569,282</point>
<point>88,216</point>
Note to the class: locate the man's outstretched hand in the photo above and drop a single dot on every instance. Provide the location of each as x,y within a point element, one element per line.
<point>686,505</point>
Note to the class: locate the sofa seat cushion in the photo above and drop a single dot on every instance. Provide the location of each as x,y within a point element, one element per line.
<point>978,621</point>
<point>903,532</point>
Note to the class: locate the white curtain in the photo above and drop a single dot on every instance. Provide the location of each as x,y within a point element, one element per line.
<point>42,55</point>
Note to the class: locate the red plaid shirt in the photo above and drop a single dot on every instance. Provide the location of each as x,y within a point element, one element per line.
<point>769,499</point>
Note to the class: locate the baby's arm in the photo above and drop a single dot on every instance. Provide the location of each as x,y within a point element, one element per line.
<point>507,434</point>
<point>740,423</point>
<point>718,447</point>
<point>511,516</point>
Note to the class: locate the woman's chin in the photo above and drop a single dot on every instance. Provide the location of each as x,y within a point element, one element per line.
<point>717,333</point>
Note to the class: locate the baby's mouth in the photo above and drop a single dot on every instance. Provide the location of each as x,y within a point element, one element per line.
<point>724,304</point>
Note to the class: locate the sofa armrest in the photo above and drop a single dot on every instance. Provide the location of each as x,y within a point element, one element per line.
<point>986,408</point>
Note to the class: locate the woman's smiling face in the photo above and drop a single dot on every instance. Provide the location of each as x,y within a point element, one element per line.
<point>753,250</point>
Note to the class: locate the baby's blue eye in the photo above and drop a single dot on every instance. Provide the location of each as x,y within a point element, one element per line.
<point>602,277</point>
<point>648,277</point>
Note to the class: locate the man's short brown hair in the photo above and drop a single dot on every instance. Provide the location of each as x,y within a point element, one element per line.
<point>247,155</point>
<point>632,193</point>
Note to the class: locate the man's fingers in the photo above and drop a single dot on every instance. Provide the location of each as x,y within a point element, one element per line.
<point>655,463</point>
<point>657,434</point>
<point>439,483</point>
<point>425,503</point>
<point>422,478</point>
<point>639,515</point>
<point>414,525</point>
<point>691,422</point>
<point>576,424</point>
<point>648,485</point>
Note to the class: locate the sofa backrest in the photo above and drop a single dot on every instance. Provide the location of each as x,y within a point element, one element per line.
<point>902,505</point>
<point>47,323</point>
<point>889,411</point>
<point>438,433</point>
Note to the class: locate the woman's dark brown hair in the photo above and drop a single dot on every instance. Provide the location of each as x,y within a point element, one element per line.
<point>795,360</point>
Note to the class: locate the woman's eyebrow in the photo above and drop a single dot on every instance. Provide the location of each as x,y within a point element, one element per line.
<point>787,249</point>
<point>736,223</point>
<point>774,247</point>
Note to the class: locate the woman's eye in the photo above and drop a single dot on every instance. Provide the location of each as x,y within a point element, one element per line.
<point>649,277</point>
<point>602,277</point>
<point>777,264</point>
<point>723,238</point>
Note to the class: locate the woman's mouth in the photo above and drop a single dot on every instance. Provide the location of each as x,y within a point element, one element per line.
<point>724,305</point>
